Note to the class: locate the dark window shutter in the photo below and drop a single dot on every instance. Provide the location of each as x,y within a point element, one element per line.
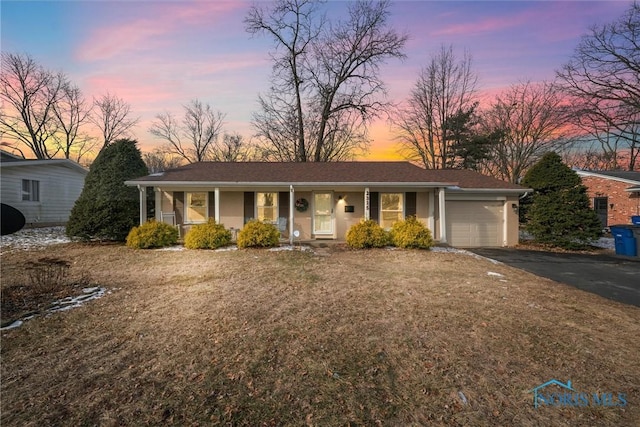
<point>374,205</point>
<point>178,206</point>
<point>283,204</point>
<point>249,206</point>
<point>410,204</point>
<point>212,204</point>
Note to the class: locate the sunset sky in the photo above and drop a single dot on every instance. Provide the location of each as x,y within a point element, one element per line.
<point>158,55</point>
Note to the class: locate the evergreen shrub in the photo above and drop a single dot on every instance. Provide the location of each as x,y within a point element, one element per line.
<point>152,234</point>
<point>411,233</point>
<point>107,209</point>
<point>559,211</point>
<point>258,234</point>
<point>209,235</point>
<point>367,234</point>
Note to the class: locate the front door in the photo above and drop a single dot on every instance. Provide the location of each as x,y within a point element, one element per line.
<point>601,208</point>
<point>323,214</point>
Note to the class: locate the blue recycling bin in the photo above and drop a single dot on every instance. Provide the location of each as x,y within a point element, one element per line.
<point>635,220</point>
<point>625,242</point>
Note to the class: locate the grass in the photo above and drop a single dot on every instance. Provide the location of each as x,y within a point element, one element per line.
<point>253,337</point>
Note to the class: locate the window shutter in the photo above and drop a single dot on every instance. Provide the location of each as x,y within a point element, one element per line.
<point>410,204</point>
<point>249,206</point>
<point>212,205</point>
<point>374,205</point>
<point>283,204</point>
<point>178,206</point>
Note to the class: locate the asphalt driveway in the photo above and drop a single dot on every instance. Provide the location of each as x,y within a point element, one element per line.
<point>611,276</point>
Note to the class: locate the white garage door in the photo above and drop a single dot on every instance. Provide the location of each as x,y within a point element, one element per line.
<point>474,223</point>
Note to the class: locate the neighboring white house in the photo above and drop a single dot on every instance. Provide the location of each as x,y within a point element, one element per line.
<point>43,190</point>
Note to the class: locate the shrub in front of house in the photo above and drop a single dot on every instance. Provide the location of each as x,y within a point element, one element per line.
<point>152,234</point>
<point>367,234</point>
<point>411,233</point>
<point>107,209</point>
<point>209,235</point>
<point>258,234</point>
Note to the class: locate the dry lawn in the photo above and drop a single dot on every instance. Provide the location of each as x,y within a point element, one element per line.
<point>253,338</point>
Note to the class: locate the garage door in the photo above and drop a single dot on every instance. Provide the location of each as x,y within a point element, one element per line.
<point>474,223</point>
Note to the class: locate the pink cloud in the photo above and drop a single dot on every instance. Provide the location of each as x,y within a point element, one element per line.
<point>138,34</point>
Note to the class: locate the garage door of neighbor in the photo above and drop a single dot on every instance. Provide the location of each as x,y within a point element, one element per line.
<point>475,223</point>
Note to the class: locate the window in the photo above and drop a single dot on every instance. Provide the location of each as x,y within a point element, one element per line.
<point>30,190</point>
<point>391,208</point>
<point>196,207</point>
<point>267,204</point>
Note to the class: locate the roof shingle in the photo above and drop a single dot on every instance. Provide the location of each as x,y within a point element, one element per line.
<point>331,172</point>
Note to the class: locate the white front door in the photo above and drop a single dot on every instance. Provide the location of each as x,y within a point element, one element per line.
<point>323,214</point>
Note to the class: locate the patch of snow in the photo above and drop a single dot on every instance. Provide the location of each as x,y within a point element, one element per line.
<point>290,248</point>
<point>171,248</point>
<point>64,304</point>
<point>494,274</point>
<point>227,249</point>
<point>448,249</point>
<point>605,243</point>
<point>33,238</point>
<point>14,325</point>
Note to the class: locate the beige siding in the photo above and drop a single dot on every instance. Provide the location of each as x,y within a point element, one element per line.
<point>232,209</point>
<point>60,187</point>
<point>345,220</point>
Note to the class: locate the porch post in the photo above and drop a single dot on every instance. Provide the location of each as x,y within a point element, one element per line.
<point>432,212</point>
<point>158,191</point>
<point>292,205</point>
<point>443,225</point>
<point>143,203</point>
<point>216,205</point>
<point>367,204</point>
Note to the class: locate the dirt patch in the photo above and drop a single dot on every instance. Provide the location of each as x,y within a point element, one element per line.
<point>256,337</point>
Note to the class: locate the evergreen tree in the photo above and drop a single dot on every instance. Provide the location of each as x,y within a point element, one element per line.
<point>559,213</point>
<point>107,209</point>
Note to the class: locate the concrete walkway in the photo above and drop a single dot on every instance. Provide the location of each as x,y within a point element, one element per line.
<point>611,276</point>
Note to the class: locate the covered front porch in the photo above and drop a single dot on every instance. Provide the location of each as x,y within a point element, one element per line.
<point>301,213</point>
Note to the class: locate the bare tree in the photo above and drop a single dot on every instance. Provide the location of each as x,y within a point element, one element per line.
<point>603,76</point>
<point>445,89</point>
<point>233,148</point>
<point>29,93</point>
<point>612,130</point>
<point>194,138</point>
<point>71,113</point>
<point>532,119</point>
<point>323,74</point>
<point>346,68</point>
<point>291,24</point>
<point>278,131</point>
<point>160,160</point>
<point>112,115</point>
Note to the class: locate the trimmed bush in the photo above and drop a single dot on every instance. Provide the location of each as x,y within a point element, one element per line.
<point>258,234</point>
<point>207,236</point>
<point>367,234</point>
<point>411,233</point>
<point>152,234</point>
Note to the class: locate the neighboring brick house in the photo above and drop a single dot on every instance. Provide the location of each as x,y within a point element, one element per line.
<point>615,195</point>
